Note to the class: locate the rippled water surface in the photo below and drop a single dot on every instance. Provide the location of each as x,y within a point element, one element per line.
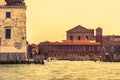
<point>61,70</point>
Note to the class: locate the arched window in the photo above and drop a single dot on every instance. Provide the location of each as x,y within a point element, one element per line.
<point>71,37</point>
<point>79,38</point>
<point>87,37</point>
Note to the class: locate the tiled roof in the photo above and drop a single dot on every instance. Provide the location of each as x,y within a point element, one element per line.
<point>109,36</point>
<point>76,42</point>
<point>113,42</point>
<point>80,28</point>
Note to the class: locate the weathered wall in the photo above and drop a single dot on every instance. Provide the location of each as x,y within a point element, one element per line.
<point>17,24</point>
<point>16,45</point>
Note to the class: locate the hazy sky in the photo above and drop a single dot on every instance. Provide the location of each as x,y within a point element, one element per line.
<point>50,19</point>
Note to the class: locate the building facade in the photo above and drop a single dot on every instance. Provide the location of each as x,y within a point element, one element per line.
<point>82,44</point>
<point>75,50</point>
<point>13,31</point>
<point>80,33</point>
<point>111,41</point>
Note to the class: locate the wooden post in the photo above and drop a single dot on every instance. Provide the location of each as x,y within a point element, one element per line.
<point>7,58</point>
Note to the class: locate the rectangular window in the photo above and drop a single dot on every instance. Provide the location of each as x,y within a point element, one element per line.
<point>8,33</point>
<point>84,48</point>
<point>0,41</point>
<point>89,48</point>
<point>8,14</point>
<point>98,48</point>
<point>92,48</point>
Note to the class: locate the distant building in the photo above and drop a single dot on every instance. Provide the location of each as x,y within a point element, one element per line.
<point>74,49</point>
<point>98,37</point>
<point>82,43</point>
<point>13,31</point>
<point>80,33</point>
<point>107,41</point>
<point>111,41</point>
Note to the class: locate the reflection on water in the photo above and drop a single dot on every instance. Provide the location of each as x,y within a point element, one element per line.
<point>61,70</point>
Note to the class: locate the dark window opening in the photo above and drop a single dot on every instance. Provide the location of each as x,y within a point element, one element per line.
<point>107,39</point>
<point>71,37</point>
<point>86,37</point>
<point>8,34</point>
<point>8,15</point>
<point>0,41</point>
<point>79,38</point>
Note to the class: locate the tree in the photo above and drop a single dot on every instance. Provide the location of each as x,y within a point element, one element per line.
<point>44,49</point>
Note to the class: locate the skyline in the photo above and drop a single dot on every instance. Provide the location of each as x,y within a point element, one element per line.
<point>49,20</point>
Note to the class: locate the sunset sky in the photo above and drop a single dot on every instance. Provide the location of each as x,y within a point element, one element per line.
<point>50,19</point>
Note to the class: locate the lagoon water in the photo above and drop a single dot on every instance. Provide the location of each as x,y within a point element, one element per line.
<point>61,70</point>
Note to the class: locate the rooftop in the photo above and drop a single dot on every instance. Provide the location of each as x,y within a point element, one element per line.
<point>76,42</point>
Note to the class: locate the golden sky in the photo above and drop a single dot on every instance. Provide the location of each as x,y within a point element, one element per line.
<point>50,19</point>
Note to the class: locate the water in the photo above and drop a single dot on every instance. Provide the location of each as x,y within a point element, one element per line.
<point>61,70</point>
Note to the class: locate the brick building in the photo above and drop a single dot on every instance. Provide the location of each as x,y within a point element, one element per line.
<point>111,41</point>
<point>80,33</point>
<point>82,43</point>
<point>107,41</point>
<point>74,49</point>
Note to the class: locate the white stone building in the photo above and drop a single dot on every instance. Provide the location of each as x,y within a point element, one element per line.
<point>13,45</point>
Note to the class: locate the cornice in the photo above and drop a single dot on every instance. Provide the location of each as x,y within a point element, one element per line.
<point>14,7</point>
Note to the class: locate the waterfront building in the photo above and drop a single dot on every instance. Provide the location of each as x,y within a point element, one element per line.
<point>74,49</point>
<point>82,43</point>
<point>13,45</point>
<point>107,41</point>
